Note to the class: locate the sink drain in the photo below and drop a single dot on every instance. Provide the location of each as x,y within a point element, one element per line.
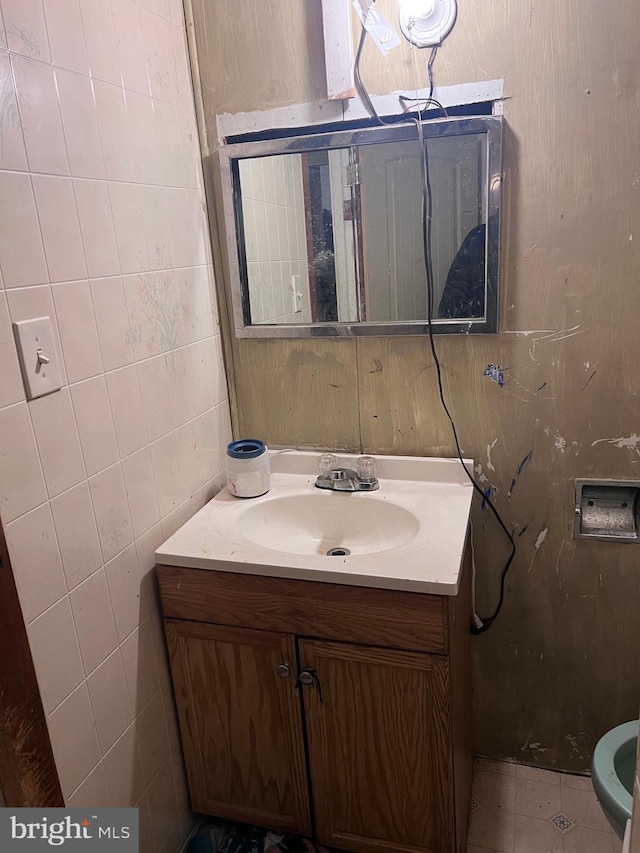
<point>338,552</point>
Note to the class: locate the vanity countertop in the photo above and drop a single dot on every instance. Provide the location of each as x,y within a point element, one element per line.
<point>408,535</point>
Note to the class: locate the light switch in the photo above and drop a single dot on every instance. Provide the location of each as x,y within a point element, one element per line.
<point>38,356</point>
<point>296,294</point>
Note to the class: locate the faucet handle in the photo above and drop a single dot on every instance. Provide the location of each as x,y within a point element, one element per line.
<point>326,463</point>
<point>366,469</point>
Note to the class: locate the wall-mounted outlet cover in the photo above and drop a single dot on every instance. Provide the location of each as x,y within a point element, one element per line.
<point>38,356</point>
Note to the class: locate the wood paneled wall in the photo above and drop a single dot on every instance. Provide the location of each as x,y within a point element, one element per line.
<point>560,666</point>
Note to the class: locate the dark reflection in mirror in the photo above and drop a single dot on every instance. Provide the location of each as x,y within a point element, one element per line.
<point>464,289</point>
<point>319,222</point>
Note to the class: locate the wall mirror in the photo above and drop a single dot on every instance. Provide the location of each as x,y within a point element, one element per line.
<point>325,231</point>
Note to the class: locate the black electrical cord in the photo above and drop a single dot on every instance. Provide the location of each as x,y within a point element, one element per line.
<point>364,94</point>
<point>427,207</point>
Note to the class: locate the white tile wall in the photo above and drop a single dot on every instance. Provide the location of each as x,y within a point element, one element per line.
<point>95,423</point>
<point>109,700</point>
<point>60,228</point>
<point>26,28</point>
<point>80,124</point>
<point>52,417</point>
<point>93,792</point>
<point>101,40</point>
<point>75,524</point>
<point>58,664</point>
<point>78,332</point>
<point>123,770</point>
<point>11,385</point>
<point>275,236</point>
<point>98,230</point>
<point>21,250</point>
<point>126,405</point>
<point>36,561</point>
<point>20,470</point>
<point>103,228</point>
<point>66,35</point>
<point>13,154</point>
<point>109,499</point>
<point>73,738</point>
<point>39,113</point>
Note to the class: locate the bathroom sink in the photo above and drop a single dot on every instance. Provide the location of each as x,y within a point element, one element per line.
<point>410,534</point>
<point>327,523</point>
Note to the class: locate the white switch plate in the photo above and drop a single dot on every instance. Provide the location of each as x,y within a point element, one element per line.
<point>38,356</point>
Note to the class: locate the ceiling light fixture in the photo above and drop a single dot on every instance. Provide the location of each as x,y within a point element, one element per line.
<point>426,23</point>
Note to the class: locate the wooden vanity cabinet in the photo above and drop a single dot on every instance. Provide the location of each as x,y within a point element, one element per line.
<point>240,723</point>
<point>338,712</point>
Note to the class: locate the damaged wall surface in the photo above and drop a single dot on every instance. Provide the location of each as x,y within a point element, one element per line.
<point>552,397</point>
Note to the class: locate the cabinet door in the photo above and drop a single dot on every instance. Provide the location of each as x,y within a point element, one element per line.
<point>241,724</point>
<point>379,745</point>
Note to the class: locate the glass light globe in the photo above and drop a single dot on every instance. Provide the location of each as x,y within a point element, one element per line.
<point>418,8</point>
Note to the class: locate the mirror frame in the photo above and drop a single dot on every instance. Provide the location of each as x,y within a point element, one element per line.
<point>230,154</point>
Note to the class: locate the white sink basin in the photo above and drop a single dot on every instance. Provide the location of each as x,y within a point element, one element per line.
<point>322,521</point>
<point>410,534</point>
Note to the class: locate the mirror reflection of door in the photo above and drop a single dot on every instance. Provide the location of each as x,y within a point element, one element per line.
<point>391,203</point>
<point>391,232</point>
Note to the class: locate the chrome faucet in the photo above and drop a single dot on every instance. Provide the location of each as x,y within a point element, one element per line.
<point>332,476</point>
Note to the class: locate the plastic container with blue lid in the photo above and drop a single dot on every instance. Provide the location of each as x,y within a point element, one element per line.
<point>248,468</point>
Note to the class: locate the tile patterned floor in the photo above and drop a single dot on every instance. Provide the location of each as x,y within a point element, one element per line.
<point>518,809</point>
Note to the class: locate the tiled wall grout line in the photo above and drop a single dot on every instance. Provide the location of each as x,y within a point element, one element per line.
<point>38,174</point>
<point>178,269</point>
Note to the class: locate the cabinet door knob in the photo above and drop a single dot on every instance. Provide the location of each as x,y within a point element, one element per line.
<point>284,670</point>
<point>310,676</point>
